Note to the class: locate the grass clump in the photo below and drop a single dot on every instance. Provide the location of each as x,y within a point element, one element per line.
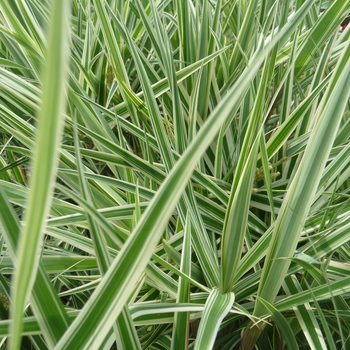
<point>174,174</point>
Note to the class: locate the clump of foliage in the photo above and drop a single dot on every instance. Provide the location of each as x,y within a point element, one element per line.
<point>174,174</point>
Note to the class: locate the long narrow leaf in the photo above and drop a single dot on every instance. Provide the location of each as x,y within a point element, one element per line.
<point>44,165</point>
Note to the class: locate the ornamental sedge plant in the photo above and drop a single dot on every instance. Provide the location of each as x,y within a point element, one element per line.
<point>174,174</point>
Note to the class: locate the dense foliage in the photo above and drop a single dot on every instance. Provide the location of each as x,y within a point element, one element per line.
<point>174,174</point>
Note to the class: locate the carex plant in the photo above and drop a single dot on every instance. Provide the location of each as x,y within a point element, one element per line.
<point>174,174</point>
